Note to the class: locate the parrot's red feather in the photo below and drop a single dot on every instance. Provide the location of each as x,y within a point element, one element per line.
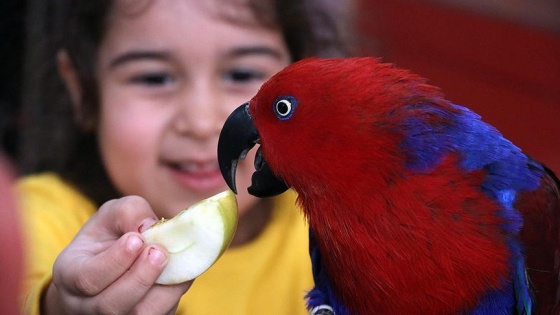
<point>448,243</point>
<point>541,238</point>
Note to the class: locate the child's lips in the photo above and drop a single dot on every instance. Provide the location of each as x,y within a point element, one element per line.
<point>199,176</point>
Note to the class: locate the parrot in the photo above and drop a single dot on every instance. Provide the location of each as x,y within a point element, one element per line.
<point>414,204</point>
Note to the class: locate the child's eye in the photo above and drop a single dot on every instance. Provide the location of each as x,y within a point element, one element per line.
<point>155,78</point>
<point>244,75</point>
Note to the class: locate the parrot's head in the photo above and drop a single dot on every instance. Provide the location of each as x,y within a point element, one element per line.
<point>320,119</point>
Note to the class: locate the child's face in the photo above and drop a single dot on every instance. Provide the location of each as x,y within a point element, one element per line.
<point>169,76</point>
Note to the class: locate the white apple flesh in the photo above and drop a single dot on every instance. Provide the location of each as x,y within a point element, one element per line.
<point>196,237</point>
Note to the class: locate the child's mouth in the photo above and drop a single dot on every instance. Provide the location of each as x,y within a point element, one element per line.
<point>199,176</point>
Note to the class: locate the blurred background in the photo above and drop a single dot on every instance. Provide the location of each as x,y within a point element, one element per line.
<point>500,58</point>
<point>12,28</point>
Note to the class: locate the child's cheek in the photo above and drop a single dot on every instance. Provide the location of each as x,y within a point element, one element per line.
<point>129,136</point>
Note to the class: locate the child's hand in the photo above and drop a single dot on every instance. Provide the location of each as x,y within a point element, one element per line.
<point>107,269</point>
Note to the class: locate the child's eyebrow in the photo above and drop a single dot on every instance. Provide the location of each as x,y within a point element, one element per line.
<point>136,55</point>
<point>161,55</point>
<point>255,50</point>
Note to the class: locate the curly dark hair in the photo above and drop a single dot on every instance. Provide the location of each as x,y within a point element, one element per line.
<point>54,140</point>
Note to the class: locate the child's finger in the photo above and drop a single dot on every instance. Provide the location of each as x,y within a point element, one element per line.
<point>94,274</point>
<point>125,293</point>
<point>119,216</point>
<point>100,254</point>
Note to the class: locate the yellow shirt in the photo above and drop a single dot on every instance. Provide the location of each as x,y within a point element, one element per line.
<point>270,275</point>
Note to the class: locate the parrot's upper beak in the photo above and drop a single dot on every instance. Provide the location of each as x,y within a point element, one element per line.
<point>237,137</point>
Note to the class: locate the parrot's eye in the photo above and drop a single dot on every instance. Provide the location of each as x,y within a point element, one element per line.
<point>284,107</point>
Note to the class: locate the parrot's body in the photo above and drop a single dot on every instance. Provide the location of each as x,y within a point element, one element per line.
<point>415,205</point>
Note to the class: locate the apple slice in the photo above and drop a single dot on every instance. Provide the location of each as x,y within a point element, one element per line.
<point>196,237</point>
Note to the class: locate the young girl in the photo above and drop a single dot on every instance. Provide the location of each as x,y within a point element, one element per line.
<point>149,85</point>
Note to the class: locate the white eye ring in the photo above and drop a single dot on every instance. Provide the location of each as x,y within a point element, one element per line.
<point>322,309</point>
<point>284,107</point>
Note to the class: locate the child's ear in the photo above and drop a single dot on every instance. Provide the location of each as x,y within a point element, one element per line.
<point>69,76</point>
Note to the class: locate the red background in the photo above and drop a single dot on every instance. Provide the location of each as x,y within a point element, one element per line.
<point>506,70</point>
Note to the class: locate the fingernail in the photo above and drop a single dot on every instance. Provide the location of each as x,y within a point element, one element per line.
<point>134,243</point>
<point>146,223</point>
<point>156,257</point>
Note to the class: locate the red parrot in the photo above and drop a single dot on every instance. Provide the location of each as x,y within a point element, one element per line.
<point>415,205</point>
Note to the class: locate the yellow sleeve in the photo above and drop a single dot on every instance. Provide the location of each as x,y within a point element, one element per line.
<point>52,213</point>
<point>270,275</point>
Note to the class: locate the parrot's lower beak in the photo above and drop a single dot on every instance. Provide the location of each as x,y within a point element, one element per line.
<point>237,137</point>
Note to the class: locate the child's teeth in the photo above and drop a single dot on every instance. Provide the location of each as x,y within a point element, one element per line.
<point>195,167</point>
<point>189,167</point>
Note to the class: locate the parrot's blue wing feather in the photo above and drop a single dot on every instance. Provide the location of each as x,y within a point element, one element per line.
<point>521,285</point>
<point>322,293</point>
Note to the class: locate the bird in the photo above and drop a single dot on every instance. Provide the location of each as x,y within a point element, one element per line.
<point>415,204</point>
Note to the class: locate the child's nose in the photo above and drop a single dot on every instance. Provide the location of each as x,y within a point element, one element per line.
<point>199,112</point>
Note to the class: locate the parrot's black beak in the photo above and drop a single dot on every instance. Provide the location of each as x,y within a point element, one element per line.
<point>237,137</point>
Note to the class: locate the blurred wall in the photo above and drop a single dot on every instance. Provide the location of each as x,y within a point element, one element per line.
<point>494,59</point>
<point>12,16</point>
